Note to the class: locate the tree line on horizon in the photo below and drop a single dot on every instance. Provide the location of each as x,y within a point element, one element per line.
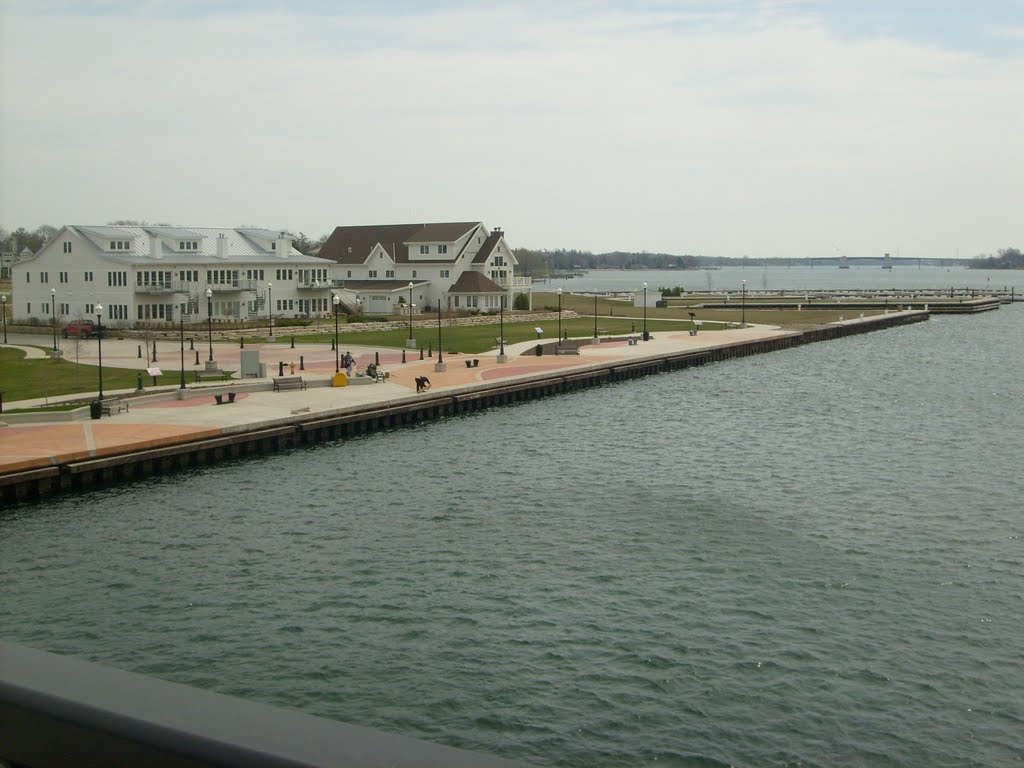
<point>532,261</point>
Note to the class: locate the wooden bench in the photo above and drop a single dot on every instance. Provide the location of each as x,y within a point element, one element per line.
<point>212,375</point>
<point>110,407</point>
<point>288,382</point>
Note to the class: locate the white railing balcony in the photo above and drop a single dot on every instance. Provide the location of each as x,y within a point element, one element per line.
<point>158,288</point>
<point>312,285</point>
<point>514,282</point>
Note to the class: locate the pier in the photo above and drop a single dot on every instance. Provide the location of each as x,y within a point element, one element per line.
<point>173,430</point>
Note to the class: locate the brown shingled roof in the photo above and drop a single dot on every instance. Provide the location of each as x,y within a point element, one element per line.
<point>488,246</point>
<point>351,245</point>
<point>474,282</point>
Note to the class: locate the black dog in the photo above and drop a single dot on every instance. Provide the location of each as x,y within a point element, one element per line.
<point>422,383</point>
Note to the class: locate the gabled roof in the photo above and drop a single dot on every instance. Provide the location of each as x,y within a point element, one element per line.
<point>488,247</point>
<point>352,245</point>
<point>241,249</point>
<point>474,282</point>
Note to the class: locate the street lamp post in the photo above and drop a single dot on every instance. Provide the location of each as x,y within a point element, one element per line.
<point>181,337</point>
<point>502,358</point>
<point>337,358</point>
<point>3,309</point>
<point>270,317</point>
<point>439,366</point>
<point>410,314</point>
<point>743,304</point>
<point>209,321</point>
<point>53,315</point>
<point>595,315</point>
<point>647,336</point>
<point>559,292</point>
<point>99,345</point>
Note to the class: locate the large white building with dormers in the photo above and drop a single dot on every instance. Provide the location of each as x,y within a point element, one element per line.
<point>463,265</point>
<point>148,275</point>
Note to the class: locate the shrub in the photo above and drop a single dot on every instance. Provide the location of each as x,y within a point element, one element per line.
<point>522,301</point>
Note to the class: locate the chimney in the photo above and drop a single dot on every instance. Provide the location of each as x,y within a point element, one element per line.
<point>222,246</point>
<point>283,246</point>
<point>156,247</point>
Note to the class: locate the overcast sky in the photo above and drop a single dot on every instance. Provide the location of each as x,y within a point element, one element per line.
<point>771,129</point>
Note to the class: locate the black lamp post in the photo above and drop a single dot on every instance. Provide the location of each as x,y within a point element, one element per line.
<point>3,309</point>
<point>439,365</point>
<point>743,305</point>
<point>595,315</point>
<point>501,330</point>
<point>337,357</point>
<point>53,314</point>
<point>559,292</point>
<point>99,345</point>
<point>209,319</point>
<point>181,336</point>
<point>270,317</point>
<point>646,335</point>
<point>410,312</point>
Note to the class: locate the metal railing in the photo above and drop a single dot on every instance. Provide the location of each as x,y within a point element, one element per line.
<point>58,710</point>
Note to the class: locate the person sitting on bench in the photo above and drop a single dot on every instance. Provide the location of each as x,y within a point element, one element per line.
<point>371,370</point>
<point>422,383</point>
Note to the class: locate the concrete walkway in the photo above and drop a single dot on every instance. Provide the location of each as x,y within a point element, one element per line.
<point>165,415</point>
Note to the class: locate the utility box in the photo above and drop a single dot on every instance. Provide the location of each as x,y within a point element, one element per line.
<point>249,360</point>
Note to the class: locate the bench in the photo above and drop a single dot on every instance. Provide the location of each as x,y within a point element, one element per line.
<point>281,383</point>
<point>212,375</point>
<point>110,407</point>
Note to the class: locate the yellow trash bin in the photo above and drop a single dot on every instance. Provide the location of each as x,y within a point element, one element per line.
<point>340,379</point>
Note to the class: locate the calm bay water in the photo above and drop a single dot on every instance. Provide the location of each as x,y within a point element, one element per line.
<point>811,557</point>
<point>776,278</point>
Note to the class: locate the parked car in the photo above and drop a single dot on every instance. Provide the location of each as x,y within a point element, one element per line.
<point>83,329</point>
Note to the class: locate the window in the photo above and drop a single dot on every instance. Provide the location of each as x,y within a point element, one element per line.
<point>499,261</point>
<point>273,247</point>
<point>88,277</point>
<point>62,276</point>
<point>254,274</point>
<point>284,274</point>
<point>414,273</point>
<point>28,308</point>
<point>442,249</point>
<point>424,249</point>
<point>348,273</point>
<point>188,245</point>
<point>389,273</point>
<point>456,301</point>
<point>67,247</point>
<point>46,307</point>
<point>445,273</point>
<point>90,309</point>
<point>373,273</point>
<point>119,245</point>
<point>28,277</point>
<point>189,275</point>
<point>44,277</point>
<point>117,279</point>
<point>65,309</point>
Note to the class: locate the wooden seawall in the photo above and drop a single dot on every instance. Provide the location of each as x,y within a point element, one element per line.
<point>125,467</point>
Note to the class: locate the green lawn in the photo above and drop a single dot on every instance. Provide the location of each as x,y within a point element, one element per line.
<point>472,339</point>
<point>21,378</point>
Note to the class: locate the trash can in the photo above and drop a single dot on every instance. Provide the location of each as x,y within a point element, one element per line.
<point>95,409</point>
<point>539,350</point>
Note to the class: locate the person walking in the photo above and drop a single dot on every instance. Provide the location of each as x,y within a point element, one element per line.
<point>348,362</point>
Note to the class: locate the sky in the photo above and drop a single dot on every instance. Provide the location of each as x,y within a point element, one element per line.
<point>766,128</point>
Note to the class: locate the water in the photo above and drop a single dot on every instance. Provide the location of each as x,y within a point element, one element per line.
<point>812,557</point>
<point>775,278</point>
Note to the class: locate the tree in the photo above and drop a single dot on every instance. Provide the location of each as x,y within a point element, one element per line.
<point>521,301</point>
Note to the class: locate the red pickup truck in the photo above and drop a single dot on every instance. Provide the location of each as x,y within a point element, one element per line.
<point>83,329</point>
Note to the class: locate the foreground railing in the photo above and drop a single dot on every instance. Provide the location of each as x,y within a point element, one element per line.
<point>57,710</point>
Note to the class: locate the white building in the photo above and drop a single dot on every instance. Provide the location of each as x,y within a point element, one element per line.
<point>147,275</point>
<point>461,264</point>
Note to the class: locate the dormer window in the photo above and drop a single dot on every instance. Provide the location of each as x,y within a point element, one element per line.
<point>120,245</point>
<point>424,249</point>
<point>188,245</point>
<point>442,249</point>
